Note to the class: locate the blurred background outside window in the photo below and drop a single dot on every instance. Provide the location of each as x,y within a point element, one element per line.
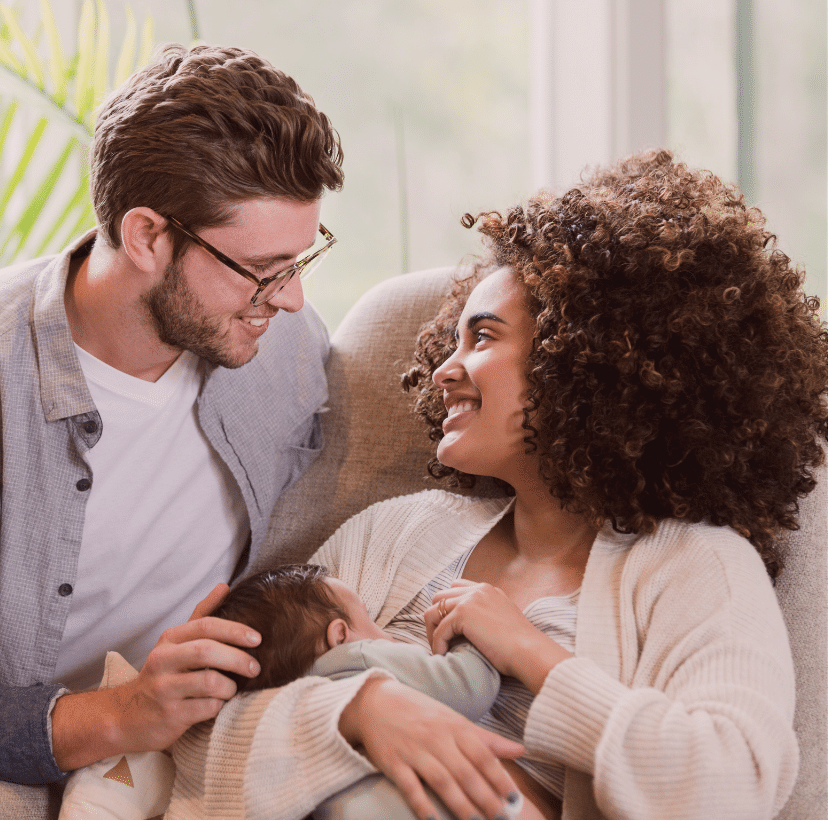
<point>445,108</point>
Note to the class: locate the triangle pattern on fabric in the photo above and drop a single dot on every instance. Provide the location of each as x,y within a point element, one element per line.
<point>121,772</point>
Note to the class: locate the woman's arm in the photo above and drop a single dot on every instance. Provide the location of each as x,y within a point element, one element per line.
<point>497,627</point>
<point>414,739</point>
<point>703,728</point>
<point>279,753</point>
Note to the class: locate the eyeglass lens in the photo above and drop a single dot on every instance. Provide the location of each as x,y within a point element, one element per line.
<point>274,287</point>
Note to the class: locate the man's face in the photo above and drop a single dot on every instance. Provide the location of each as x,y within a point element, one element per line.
<point>204,307</point>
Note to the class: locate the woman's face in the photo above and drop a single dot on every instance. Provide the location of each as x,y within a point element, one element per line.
<point>484,382</point>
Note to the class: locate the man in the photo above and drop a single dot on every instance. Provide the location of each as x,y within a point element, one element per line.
<point>159,389</point>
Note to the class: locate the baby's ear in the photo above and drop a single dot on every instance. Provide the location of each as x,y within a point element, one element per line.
<point>338,633</point>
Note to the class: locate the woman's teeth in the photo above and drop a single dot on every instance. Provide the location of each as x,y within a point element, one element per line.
<point>461,407</point>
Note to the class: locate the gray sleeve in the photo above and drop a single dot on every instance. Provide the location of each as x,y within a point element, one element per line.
<point>463,679</point>
<point>25,750</point>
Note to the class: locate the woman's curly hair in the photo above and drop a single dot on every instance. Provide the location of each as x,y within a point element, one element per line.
<point>678,369</point>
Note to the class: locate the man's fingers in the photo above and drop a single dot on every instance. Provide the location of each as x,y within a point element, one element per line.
<point>210,627</point>
<point>200,654</point>
<point>210,602</point>
<point>204,653</point>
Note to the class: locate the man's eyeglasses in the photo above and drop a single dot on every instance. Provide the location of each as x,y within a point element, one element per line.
<point>268,286</point>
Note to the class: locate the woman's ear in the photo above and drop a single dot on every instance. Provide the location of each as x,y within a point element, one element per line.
<point>338,633</point>
<point>141,233</point>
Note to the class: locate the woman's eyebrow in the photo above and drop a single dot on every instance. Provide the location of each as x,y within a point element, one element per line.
<point>484,315</point>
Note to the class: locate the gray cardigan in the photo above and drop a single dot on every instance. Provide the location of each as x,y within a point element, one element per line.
<point>262,419</point>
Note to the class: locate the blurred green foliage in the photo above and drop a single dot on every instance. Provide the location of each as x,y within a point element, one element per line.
<point>47,112</point>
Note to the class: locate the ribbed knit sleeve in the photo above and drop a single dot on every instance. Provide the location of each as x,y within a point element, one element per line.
<point>700,724</point>
<point>278,753</point>
<point>271,754</point>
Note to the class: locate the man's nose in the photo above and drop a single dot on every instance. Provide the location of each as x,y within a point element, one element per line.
<point>291,297</point>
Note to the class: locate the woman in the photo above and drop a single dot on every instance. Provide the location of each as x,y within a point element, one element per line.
<point>644,373</point>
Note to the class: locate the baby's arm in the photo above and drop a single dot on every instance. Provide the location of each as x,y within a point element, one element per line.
<point>463,679</point>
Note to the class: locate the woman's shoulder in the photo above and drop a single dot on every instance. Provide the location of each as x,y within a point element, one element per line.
<point>680,553</point>
<point>430,503</point>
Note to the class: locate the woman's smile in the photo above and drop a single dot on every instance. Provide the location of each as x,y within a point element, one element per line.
<point>484,380</point>
<point>456,407</point>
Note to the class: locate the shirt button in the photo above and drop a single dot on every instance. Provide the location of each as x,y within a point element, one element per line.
<point>83,484</point>
<point>90,426</point>
<point>65,589</point>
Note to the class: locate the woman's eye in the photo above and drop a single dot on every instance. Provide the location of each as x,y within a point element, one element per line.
<point>482,335</point>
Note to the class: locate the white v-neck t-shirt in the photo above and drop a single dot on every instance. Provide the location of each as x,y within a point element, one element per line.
<point>165,520</point>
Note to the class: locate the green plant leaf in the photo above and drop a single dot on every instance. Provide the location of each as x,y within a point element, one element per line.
<point>23,164</point>
<point>30,58</point>
<point>8,58</point>
<point>84,93</point>
<point>38,76</point>
<point>126,59</point>
<point>100,73</point>
<point>78,200</point>
<point>83,223</point>
<point>5,126</point>
<point>57,61</point>
<point>33,98</point>
<point>147,41</point>
<point>28,219</point>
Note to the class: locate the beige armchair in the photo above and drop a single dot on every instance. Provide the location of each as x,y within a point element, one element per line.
<point>376,449</point>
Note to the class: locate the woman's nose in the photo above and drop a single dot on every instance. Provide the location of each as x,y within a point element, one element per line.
<point>449,372</point>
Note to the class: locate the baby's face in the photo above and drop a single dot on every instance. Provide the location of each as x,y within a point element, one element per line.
<point>361,626</point>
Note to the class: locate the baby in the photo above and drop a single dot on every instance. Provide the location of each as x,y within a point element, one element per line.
<point>314,624</point>
<point>311,624</point>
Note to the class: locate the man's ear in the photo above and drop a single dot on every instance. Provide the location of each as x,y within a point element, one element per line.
<point>338,633</point>
<point>144,239</point>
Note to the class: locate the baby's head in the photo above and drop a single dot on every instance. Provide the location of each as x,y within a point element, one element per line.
<point>300,612</point>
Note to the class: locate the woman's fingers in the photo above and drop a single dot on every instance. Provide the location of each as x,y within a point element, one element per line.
<point>405,732</point>
<point>409,784</point>
<point>468,777</point>
<point>486,762</point>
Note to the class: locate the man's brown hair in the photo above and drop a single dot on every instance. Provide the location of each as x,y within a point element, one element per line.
<point>291,607</point>
<point>198,130</point>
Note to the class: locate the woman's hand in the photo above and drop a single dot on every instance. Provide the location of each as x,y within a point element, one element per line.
<point>496,626</point>
<point>409,736</point>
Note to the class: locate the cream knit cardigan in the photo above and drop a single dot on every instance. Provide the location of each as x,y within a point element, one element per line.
<point>678,704</point>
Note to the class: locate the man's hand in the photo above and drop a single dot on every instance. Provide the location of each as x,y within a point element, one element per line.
<point>414,739</point>
<point>178,686</point>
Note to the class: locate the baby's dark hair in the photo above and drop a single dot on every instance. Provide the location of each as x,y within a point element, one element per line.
<point>291,607</point>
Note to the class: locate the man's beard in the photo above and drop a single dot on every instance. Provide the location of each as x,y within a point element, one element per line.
<point>182,322</point>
